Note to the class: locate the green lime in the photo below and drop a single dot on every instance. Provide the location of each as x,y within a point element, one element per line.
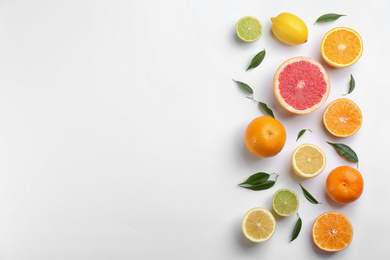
<point>285,202</point>
<point>249,29</point>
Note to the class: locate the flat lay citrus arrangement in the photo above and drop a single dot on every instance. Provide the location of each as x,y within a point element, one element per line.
<point>301,85</point>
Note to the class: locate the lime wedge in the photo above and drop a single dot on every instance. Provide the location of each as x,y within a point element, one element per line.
<point>249,29</point>
<point>285,202</point>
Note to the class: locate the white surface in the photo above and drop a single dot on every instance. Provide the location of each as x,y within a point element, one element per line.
<point>121,132</point>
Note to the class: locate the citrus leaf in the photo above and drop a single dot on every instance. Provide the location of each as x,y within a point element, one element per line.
<point>345,151</point>
<point>297,228</point>
<point>259,181</point>
<point>256,61</point>
<point>328,17</point>
<point>351,85</point>
<point>308,196</point>
<point>266,109</point>
<point>262,186</point>
<point>244,87</point>
<point>256,178</point>
<point>302,132</point>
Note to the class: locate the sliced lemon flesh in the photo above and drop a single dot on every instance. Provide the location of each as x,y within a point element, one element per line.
<point>258,225</point>
<point>308,160</point>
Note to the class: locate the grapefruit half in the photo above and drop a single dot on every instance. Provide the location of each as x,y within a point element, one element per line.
<point>301,85</point>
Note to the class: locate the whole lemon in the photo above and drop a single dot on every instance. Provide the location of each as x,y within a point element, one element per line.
<point>289,28</point>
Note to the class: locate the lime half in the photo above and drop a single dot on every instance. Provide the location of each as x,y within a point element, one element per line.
<point>249,29</point>
<point>285,202</point>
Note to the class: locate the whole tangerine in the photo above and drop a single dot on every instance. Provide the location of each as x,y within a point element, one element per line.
<point>344,184</point>
<point>265,137</point>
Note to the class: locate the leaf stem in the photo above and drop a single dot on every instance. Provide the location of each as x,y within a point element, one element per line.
<point>253,99</point>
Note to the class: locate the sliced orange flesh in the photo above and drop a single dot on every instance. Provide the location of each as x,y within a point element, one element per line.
<point>332,231</point>
<point>342,118</point>
<point>341,47</point>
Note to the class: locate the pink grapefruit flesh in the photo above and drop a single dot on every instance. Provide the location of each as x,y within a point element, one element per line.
<point>301,85</point>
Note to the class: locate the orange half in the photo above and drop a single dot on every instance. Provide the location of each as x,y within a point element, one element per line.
<point>341,47</point>
<point>342,118</point>
<point>332,231</point>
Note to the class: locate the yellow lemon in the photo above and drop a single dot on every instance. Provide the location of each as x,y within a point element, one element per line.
<point>308,160</point>
<point>258,225</point>
<point>289,29</point>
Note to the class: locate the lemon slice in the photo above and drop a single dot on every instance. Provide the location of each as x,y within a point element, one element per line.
<point>249,29</point>
<point>285,202</point>
<point>258,225</point>
<point>308,160</point>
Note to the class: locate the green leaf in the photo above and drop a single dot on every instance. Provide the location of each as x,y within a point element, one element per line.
<point>345,151</point>
<point>351,85</point>
<point>266,109</point>
<point>256,178</point>
<point>256,61</point>
<point>262,186</point>
<point>308,196</point>
<point>259,181</point>
<point>328,17</point>
<point>297,228</point>
<point>244,87</point>
<point>302,132</point>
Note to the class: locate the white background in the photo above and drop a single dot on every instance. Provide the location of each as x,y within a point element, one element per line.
<point>121,130</point>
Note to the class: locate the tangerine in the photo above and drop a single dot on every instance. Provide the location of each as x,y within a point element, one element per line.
<point>342,117</point>
<point>341,47</point>
<point>332,231</point>
<point>344,184</point>
<point>265,136</point>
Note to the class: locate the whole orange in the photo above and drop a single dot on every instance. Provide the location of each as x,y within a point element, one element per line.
<point>344,184</point>
<point>265,136</point>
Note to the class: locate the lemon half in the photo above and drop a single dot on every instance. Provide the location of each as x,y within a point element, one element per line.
<point>258,225</point>
<point>308,160</point>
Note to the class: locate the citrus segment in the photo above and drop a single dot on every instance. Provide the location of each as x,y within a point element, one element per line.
<point>332,231</point>
<point>249,29</point>
<point>341,47</point>
<point>342,118</point>
<point>344,184</point>
<point>285,202</point>
<point>308,160</point>
<point>265,136</point>
<point>258,225</point>
<point>301,85</point>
